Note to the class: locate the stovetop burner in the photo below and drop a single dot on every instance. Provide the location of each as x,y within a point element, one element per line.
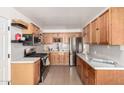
<point>42,55</point>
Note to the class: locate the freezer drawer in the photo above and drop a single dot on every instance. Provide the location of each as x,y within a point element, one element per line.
<point>72,59</point>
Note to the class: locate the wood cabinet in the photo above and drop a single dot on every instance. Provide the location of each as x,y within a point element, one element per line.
<point>66,38</point>
<point>108,28</point>
<point>103,28</point>
<point>32,29</point>
<point>90,76</point>
<point>87,34</point>
<point>94,31</point>
<point>100,29</point>
<point>48,37</point>
<point>78,66</point>
<point>54,58</point>
<point>86,73</point>
<point>36,72</point>
<point>66,58</point>
<point>116,25</point>
<point>59,58</point>
<point>25,73</point>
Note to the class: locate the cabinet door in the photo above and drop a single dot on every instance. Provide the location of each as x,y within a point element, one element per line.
<point>54,59</point>
<point>87,34</point>
<point>94,31</point>
<point>61,58</point>
<point>78,65</point>
<point>31,28</point>
<point>91,76</point>
<point>51,58</point>
<point>66,38</point>
<point>85,73</point>
<point>48,38</point>
<point>103,28</point>
<point>66,58</point>
<point>84,35</point>
<point>36,72</point>
<point>117,25</point>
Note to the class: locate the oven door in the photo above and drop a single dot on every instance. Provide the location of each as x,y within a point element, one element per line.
<point>44,68</point>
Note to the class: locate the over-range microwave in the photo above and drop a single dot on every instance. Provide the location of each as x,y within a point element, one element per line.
<point>30,40</point>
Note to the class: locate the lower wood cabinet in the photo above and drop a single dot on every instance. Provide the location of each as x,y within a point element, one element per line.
<point>59,58</point>
<point>90,76</point>
<point>25,73</point>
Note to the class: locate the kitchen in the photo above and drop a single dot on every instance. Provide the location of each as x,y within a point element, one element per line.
<point>66,46</point>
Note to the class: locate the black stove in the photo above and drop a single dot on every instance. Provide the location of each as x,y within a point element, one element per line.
<point>42,55</point>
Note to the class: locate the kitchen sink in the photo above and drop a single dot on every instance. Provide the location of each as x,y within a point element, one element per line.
<point>103,62</point>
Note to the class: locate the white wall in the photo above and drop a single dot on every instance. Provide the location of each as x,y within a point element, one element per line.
<point>11,13</point>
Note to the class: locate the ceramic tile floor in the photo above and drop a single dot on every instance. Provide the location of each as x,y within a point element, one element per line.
<point>62,75</point>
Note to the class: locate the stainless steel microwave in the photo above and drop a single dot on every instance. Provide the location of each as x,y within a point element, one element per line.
<point>30,40</point>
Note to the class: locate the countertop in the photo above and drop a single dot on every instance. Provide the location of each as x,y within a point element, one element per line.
<point>99,66</point>
<point>26,60</point>
<point>55,51</point>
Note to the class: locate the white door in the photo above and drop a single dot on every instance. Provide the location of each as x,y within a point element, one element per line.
<point>4,42</point>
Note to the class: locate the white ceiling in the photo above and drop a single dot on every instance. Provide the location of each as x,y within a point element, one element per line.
<point>60,17</point>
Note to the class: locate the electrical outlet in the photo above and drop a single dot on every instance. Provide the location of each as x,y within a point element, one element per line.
<point>94,52</point>
<point>122,47</point>
<point>108,46</point>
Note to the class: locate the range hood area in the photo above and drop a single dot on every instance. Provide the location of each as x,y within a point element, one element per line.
<point>19,23</point>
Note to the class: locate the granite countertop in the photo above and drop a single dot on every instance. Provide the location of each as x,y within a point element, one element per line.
<point>99,66</point>
<point>26,60</point>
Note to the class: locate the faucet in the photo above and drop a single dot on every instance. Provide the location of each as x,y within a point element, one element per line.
<point>115,63</point>
<point>58,46</point>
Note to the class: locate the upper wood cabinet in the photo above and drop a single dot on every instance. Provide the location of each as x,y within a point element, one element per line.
<point>99,29</point>
<point>47,38</point>
<point>64,36</point>
<point>32,29</point>
<point>87,34</point>
<point>108,28</point>
<point>94,31</point>
<point>116,26</point>
<point>103,28</point>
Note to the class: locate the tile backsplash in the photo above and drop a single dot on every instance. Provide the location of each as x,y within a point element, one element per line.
<point>108,52</point>
<point>17,50</point>
<point>53,46</point>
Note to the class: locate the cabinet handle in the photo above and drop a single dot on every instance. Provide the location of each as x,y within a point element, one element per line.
<point>97,28</point>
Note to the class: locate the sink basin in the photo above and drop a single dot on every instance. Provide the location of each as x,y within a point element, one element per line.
<point>100,64</point>
<point>103,62</point>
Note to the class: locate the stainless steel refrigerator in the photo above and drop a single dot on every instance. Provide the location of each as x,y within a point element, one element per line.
<point>75,46</point>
